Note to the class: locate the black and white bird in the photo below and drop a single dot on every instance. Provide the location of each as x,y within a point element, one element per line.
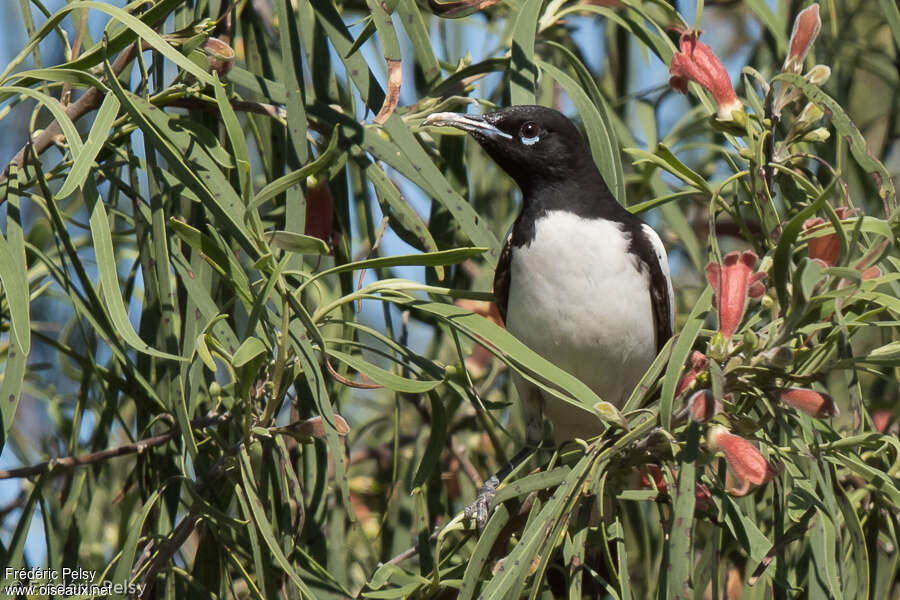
<point>580,280</point>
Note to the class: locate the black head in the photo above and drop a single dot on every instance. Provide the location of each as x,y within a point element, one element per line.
<point>535,145</point>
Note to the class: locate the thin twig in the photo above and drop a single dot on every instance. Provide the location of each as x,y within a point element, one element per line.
<point>68,462</point>
<point>89,100</point>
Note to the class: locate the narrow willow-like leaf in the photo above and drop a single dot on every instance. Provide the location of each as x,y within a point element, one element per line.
<point>604,146</point>
<point>56,109</point>
<point>98,136</point>
<point>848,130</point>
<point>680,353</point>
<point>411,16</point>
<point>478,559</point>
<point>436,185</point>
<point>523,73</point>
<point>15,548</point>
<point>664,158</point>
<point>264,527</point>
<point>357,68</point>
<point>297,242</point>
<point>235,135</point>
<point>203,176</point>
<point>426,259</point>
<point>292,73</point>
<point>123,572</point>
<point>384,377</point>
<point>109,278</point>
<point>249,349</point>
<point>404,220</point>
<point>681,550</point>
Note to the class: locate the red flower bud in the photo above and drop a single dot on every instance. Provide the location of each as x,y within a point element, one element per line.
<point>702,497</point>
<point>319,209</point>
<point>881,419</point>
<point>697,62</point>
<point>733,281</point>
<point>813,403</point>
<point>827,248</point>
<point>698,365</point>
<point>743,458</point>
<point>806,28</point>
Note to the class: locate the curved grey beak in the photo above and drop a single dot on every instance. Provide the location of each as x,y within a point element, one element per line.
<point>469,123</point>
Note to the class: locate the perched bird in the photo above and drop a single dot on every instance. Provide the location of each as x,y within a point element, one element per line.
<point>580,280</point>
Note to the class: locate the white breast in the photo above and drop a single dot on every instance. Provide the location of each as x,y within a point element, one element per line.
<point>579,298</point>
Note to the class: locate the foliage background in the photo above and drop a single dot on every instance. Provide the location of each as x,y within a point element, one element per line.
<point>202,252</point>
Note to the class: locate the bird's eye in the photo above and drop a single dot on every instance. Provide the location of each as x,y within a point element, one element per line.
<point>529,133</point>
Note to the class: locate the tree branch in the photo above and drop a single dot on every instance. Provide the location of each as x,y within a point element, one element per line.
<point>89,100</point>
<point>68,462</point>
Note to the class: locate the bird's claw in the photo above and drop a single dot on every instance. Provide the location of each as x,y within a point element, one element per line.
<point>480,509</point>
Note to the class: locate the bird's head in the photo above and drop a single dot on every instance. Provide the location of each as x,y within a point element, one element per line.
<point>533,144</point>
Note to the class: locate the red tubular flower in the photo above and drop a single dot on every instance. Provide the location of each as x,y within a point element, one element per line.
<point>820,406</point>
<point>698,365</point>
<point>702,406</point>
<point>827,248</point>
<point>733,281</point>
<point>743,458</point>
<point>697,62</point>
<point>806,28</point>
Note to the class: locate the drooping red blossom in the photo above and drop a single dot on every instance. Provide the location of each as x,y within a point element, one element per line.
<point>319,210</point>
<point>743,458</point>
<point>702,406</point>
<point>827,248</point>
<point>733,281</point>
<point>881,419</point>
<point>813,403</point>
<point>806,29</point>
<point>698,365</point>
<point>697,62</point>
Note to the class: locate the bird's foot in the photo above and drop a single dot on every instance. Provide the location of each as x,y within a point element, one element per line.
<point>480,509</point>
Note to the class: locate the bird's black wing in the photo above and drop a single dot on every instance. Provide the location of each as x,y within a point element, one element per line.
<point>501,277</point>
<point>659,294</point>
<point>653,254</point>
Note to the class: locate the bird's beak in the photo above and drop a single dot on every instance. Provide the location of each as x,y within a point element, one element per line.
<point>469,123</point>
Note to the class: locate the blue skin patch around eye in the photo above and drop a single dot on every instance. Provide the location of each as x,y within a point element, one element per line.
<point>528,141</point>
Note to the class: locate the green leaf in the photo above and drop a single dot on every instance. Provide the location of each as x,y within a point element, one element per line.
<point>782,256</point>
<point>202,176</point>
<point>664,158</point>
<point>297,242</point>
<point>604,146</point>
<point>249,349</point>
<point>125,560</point>
<point>384,377</point>
<point>98,136</point>
<point>892,13</point>
<point>523,71</point>
<point>109,276</point>
<point>264,527</point>
<point>870,164</point>
<point>680,353</point>
<point>681,551</point>
<point>437,437</point>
